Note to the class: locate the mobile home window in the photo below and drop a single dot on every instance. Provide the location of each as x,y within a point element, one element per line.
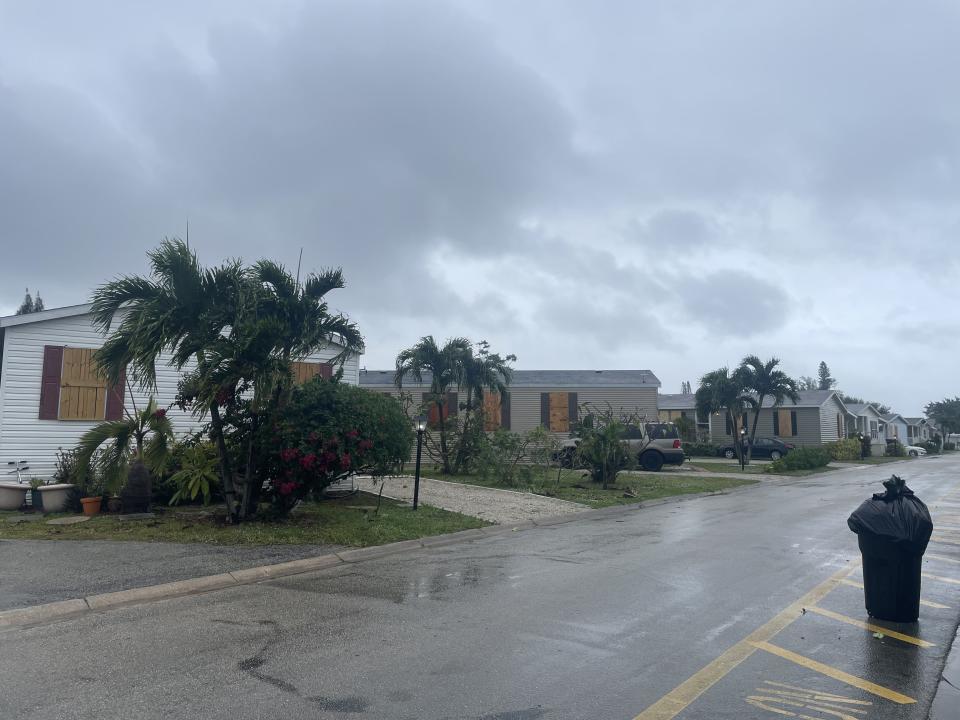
<point>558,410</point>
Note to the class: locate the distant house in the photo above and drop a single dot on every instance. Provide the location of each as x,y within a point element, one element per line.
<point>673,407</point>
<point>917,430</point>
<point>895,427</point>
<point>551,398</point>
<point>867,419</point>
<point>51,393</point>
<point>818,417</point>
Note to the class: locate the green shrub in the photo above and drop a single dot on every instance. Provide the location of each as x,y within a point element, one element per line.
<point>198,475</point>
<point>327,432</point>
<point>601,450</point>
<point>949,446</point>
<point>808,458</point>
<point>929,446</point>
<point>844,450</point>
<point>499,455</point>
<point>895,449</point>
<point>698,449</point>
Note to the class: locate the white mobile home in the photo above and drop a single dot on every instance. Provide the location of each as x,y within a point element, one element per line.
<point>50,392</point>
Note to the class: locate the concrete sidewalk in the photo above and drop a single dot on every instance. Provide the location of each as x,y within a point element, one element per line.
<point>42,571</point>
<point>946,703</point>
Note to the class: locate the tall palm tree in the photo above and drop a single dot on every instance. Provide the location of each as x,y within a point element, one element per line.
<point>764,380</point>
<point>181,308</point>
<point>142,437</point>
<point>446,367</point>
<point>723,391</point>
<point>482,371</point>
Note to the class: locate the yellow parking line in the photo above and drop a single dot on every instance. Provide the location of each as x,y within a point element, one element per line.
<point>869,626</point>
<point>832,672</point>
<point>674,702</point>
<point>943,557</point>
<point>940,578</point>
<point>928,603</point>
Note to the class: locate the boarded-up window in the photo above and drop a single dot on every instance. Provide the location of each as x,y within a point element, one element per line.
<point>304,371</point>
<point>491,411</point>
<point>433,410</point>
<point>784,423</point>
<point>83,390</point>
<point>558,410</point>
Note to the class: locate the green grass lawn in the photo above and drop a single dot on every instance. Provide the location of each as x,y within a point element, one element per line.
<point>630,487</point>
<point>349,521</point>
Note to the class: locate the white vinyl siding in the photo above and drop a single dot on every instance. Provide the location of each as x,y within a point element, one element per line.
<point>25,437</point>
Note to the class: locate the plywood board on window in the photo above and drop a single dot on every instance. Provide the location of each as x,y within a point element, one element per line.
<point>560,412</point>
<point>491,411</point>
<point>83,390</point>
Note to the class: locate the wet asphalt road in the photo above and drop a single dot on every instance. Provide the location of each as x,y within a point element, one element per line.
<point>591,619</point>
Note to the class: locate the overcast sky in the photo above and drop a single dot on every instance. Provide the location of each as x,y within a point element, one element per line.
<point>664,185</point>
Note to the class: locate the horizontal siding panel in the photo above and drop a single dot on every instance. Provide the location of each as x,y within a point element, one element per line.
<point>24,437</point>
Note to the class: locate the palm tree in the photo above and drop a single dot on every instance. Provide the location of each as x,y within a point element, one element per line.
<point>142,437</point>
<point>723,391</point>
<point>181,308</point>
<point>446,367</point>
<point>765,380</point>
<point>242,327</point>
<point>482,371</point>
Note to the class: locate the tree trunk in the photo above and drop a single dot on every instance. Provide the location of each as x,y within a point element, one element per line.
<point>753,433</point>
<point>444,454</point>
<point>737,445</point>
<point>464,438</point>
<point>250,497</point>
<point>229,493</point>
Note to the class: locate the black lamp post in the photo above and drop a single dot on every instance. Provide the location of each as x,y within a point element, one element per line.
<point>421,426</point>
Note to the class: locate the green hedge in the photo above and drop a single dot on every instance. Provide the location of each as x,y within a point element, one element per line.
<point>896,449</point>
<point>693,449</point>
<point>802,459</point>
<point>844,450</point>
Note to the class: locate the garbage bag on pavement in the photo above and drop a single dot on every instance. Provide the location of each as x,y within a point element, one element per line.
<point>893,529</point>
<point>896,517</point>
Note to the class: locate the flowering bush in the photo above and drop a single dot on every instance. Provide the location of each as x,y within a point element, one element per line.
<point>327,432</point>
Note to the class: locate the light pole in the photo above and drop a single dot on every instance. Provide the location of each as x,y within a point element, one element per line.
<point>421,426</point>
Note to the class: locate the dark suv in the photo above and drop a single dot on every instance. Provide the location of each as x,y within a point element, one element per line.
<point>656,444</point>
<point>762,447</point>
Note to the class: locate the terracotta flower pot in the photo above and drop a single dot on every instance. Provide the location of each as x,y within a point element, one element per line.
<point>91,505</point>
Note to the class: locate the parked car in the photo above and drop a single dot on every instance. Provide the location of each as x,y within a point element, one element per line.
<point>655,444</point>
<point>762,447</point>
<point>914,450</point>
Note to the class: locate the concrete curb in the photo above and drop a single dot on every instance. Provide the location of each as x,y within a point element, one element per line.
<point>66,609</point>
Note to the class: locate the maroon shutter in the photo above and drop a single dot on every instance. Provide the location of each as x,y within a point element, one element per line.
<point>326,371</point>
<point>50,382</point>
<point>115,398</point>
<point>505,411</point>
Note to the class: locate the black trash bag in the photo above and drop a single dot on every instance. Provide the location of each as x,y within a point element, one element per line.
<point>896,518</point>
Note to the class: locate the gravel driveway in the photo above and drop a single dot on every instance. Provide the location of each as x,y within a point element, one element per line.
<point>490,504</point>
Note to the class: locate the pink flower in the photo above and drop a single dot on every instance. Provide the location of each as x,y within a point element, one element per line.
<point>160,414</point>
<point>307,461</point>
<point>345,461</point>
<point>287,488</point>
<point>313,437</point>
<point>288,454</point>
<point>365,445</point>
<point>353,434</point>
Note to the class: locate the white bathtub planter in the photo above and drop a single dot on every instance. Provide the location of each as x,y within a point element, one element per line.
<point>55,497</point>
<point>12,496</point>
